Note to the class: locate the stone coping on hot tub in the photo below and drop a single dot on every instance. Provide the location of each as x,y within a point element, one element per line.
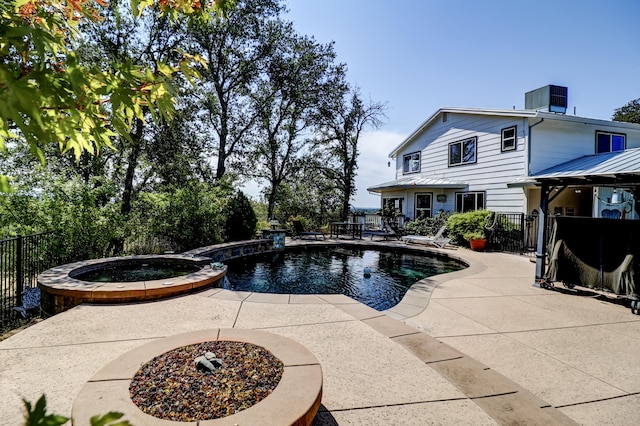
<point>232,250</point>
<point>61,291</point>
<point>295,400</point>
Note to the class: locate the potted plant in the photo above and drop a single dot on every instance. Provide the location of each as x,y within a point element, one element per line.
<point>468,226</point>
<point>477,240</point>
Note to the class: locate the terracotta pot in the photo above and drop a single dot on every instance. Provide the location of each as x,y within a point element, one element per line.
<point>477,245</point>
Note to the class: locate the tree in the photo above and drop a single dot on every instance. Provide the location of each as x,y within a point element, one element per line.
<point>298,72</point>
<point>234,55</point>
<point>146,41</point>
<point>308,194</point>
<point>241,218</point>
<point>179,152</point>
<point>341,123</point>
<point>48,96</point>
<point>629,113</point>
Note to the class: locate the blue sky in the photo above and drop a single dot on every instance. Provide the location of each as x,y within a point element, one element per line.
<point>421,55</point>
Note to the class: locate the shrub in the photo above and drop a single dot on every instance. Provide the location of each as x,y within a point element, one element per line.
<point>194,216</point>
<point>306,223</point>
<point>241,219</point>
<point>467,223</point>
<point>427,225</point>
<point>86,228</point>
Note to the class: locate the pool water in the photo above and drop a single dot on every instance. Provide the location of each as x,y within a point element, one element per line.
<point>138,272</point>
<point>338,271</point>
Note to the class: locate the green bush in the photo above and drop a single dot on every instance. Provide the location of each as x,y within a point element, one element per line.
<point>304,222</point>
<point>86,227</point>
<point>461,224</point>
<point>85,224</point>
<point>241,219</point>
<point>427,225</point>
<point>192,216</point>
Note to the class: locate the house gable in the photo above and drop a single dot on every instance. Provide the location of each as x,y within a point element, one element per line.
<point>491,165</point>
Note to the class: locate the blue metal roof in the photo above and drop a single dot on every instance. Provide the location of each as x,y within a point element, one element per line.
<point>417,182</point>
<point>619,164</point>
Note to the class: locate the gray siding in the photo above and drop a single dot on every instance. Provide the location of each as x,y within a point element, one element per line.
<point>490,173</point>
<point>555,142</point>
<point>552,140</point>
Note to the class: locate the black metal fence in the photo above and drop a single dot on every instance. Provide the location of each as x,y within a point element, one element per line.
<point>513,233</point>
<point>21,260</point>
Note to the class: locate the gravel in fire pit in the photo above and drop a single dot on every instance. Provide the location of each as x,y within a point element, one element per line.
<point>170,387</point>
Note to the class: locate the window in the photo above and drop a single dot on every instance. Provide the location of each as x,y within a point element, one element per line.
<point>411,163</point>
<point>469,201</point>
<point>509,140</point>
<point>393,203</point>
<point>445,117</point>
<point>462,152</point>
<point>423,205</point>
<point>610,142</point>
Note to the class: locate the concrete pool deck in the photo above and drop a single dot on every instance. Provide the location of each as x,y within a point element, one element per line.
<point>477,347</point>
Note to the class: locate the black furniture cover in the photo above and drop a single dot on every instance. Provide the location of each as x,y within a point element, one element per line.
<point>596,253</point>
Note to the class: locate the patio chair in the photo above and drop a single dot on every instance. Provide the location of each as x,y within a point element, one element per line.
<point>437,240</point>
<point>299,232</point>
<point>384,232</point>
<point>30,300</point>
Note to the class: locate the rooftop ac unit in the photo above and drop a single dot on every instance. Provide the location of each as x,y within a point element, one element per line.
<point>548,98</point>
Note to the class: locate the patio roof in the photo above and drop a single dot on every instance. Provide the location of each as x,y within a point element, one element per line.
<point>417,182</point>
<point>611,168</point>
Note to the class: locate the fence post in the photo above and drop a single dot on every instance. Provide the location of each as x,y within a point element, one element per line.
<point>19,270</point>
<point>522,239</point>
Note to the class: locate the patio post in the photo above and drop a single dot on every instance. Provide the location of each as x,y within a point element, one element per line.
<point>542,233</point>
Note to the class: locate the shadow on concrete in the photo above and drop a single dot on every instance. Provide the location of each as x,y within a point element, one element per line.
<point>324,418</point>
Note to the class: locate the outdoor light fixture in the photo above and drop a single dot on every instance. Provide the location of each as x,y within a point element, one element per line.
<point>577,191</point>
<point>616,198</point>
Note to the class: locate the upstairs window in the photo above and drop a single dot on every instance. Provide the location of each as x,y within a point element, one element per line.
<point>463,152</point>
<point>610,142</point>
<point>411,163</point>
<point>509,140</point>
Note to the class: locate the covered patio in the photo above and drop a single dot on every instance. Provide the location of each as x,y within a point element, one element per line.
<point>613,181</point>
<point>413,194</point>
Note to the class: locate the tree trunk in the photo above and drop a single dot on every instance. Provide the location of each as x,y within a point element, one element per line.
<point>221,169</point>
<point>272,203</point>
<point>223,134</point>
<point>345,205</point>
<point>117,246</point>
<point>132,164</point>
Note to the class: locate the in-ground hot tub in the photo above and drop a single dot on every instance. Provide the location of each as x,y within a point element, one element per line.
<point>125,279</point>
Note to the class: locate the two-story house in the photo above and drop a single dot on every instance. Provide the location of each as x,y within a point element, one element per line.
<point>464,159</point>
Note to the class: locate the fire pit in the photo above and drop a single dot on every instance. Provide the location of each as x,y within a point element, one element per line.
<point>252,377</point>
<point>186,384</point>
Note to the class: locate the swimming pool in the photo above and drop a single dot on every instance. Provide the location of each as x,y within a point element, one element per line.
<point>331,270</point>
